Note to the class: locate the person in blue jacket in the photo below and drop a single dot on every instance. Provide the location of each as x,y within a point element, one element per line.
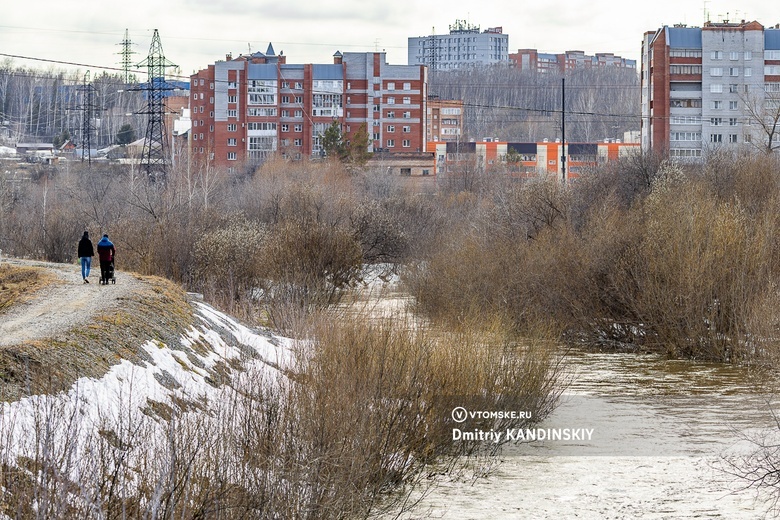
<point>106,252</point>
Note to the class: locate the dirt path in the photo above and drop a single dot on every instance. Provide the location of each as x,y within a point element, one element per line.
<point>62,306</point>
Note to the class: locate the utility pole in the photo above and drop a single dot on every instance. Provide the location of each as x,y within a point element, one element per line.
<point>155,158</point>
<point>563,130</point>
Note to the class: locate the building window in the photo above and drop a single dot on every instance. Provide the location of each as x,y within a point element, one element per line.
<point>285,128</point>
<point>733,89</point>
<point>298,128</point>
<point>232,99</point>
<point>717,55</point>
<point>717,105</point>
<point>232,141</point>
<point>297,142</point>
<point>734,55</point>
<point>194,137</point>
<point>391,101</point>
<point>391,128</point>
<point>733,71</point>
<point>406,143</point>
<point>407,129</point>
<point>299,113</point>
<point>407,100</point>
<point>732,121</point>
<point>391,86</point>
<point>299,99</point>
<point>285,113</point>
<point>748,72</point>
<point>716,121</point>
<point>232,113</point>
<point>285,84</point>
<point>232,127</point>
<point>391,143</point>
<point>285,99</point>
<point>716,88</point>
<point>748,55</point>
<point>716,71</point>
<point>733,138</point>
<point>376,136</point>
<point>376,108</point>
<point>391,114</point>
<point>298,84</point>
<point>733,105</point>
<point>716,138</point>
<point>231,156</point>
<point>407,86</point>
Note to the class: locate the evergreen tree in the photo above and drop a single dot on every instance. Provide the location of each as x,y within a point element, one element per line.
<point>126,135</point>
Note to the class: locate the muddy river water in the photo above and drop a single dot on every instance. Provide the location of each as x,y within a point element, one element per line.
<point>660,434</point>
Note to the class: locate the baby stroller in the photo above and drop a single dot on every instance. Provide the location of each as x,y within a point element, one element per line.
<point>107,273</point>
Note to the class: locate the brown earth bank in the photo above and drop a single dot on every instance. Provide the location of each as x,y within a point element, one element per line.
<point>54,328</point>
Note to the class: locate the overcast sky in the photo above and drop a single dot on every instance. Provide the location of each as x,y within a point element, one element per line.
<point>196,33</point>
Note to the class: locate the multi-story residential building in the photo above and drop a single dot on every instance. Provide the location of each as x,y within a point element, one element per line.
<point>532,59</point>
<point>445,119</point>
<point>246,108</point>
<point>525,160</point>
<point>704,88</point>
<point>464,46</point>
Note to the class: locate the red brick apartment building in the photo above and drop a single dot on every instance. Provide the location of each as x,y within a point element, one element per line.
<point>532,59</point>
<point>445,119</point>
<point>702,86</point>
<point>244,109</point>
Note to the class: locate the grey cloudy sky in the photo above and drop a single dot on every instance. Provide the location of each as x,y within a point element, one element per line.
<point>195,33</point>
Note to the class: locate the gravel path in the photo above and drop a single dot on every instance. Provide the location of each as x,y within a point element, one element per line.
<point>64,305</point>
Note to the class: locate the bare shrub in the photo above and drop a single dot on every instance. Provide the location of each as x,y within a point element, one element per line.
<point>228,262</point>
<point>306,266</point>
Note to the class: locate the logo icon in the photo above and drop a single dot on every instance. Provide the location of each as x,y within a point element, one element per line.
<point>459,414</point>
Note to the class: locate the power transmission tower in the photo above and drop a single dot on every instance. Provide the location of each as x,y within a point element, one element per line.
<point>127,54</point>
<point>87,109</point>
<point>155,157</point>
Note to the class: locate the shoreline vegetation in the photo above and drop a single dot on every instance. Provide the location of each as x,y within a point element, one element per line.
<point>641,254</point>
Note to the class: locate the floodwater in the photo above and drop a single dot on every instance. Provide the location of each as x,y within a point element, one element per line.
<point>660,434</point>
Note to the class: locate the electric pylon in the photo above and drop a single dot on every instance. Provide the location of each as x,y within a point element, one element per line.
<point>88,109</point>
<point>155,158</point>
<point>127,54</point>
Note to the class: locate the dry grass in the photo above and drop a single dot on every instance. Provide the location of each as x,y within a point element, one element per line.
<point>19,283</point>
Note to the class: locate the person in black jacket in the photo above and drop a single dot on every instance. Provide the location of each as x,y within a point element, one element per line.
<point>86,252</point>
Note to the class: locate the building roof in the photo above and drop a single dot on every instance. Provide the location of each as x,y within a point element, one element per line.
<point>772,39</point>
<point>684,37</point>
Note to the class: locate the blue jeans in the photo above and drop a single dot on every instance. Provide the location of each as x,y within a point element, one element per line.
<point>86,265</point>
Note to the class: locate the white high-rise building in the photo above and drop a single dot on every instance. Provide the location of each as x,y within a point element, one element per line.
<point>464,46</point>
